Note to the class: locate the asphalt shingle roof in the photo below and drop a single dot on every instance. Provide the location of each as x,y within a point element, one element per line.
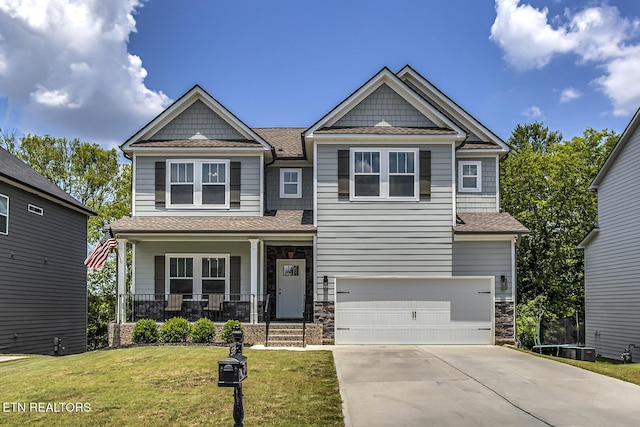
<point>490,223</point>
<point>286,141</point>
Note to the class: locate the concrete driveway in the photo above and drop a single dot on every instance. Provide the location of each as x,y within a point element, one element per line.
<point>476,386</point>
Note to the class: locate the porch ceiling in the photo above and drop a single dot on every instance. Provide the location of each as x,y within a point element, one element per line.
<point>282,221</point>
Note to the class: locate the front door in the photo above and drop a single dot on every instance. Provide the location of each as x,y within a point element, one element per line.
<point>291,284</point>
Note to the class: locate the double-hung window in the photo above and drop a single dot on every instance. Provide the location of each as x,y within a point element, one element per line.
<point>384,173</point>
<point>197,274</point>
<point>198,183</point>
<point>4,214</point>
<point>470,176</point>
<point>291,183</point>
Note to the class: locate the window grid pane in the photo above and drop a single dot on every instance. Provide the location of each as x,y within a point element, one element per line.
<point>214,173</point>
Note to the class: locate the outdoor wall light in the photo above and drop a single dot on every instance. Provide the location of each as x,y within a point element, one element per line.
<point>503,283</point>
<point>325,282</point>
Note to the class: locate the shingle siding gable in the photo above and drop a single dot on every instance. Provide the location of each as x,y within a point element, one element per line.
<point>197,120</point>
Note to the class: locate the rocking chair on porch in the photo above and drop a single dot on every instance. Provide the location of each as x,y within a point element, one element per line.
<point>174,305</point>
<point>213,309</point>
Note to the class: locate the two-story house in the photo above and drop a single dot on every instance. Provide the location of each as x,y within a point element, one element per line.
<point>43,281</point>
<point>381,221</point>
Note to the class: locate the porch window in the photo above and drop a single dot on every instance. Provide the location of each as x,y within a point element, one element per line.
<point>214,275</point>
<point>291,183</point>
<point>470,176</point>
<point>181,276</point>
<point>197,274</point>
<point>198,183</point>
<point>384,173</point>
<point>4,214</point>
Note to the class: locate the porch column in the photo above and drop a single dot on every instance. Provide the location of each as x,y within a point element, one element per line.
<point>122,281</point>
<point>254,280</point>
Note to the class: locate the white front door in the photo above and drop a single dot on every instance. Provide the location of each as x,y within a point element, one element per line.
<point>291,284</point>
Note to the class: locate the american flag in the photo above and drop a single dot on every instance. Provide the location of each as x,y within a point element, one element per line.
<point>99,254</point>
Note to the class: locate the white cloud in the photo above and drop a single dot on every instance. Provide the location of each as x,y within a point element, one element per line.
<point>64,64</point>
<point>533,113</point>
<point>569,94</point>
<point>597,34</point>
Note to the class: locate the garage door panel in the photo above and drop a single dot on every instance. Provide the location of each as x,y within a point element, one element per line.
<point>414,310</point>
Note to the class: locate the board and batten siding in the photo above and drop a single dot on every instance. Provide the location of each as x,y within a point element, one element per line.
<point>485,258</point>
<point>43,281</point>
<point>275,202</point>
<point>383,238</point>
<point>612,259</point>
<point>146,251</point>
<point>249,188</point>
<point>484,201</point>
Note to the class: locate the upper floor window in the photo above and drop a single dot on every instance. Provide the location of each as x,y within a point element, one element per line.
<point>384,173</point>
<point>4,214</point>
<point>291,183</point>
<point>470,176</point>
<point>198,183</point>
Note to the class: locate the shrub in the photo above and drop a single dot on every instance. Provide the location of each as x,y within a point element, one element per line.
<point>145,331</point>
<point>203,330</point>
<point>227,330</point>
<point>176,329</point>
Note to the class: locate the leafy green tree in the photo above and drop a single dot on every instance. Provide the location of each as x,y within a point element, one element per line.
<point>545,185</point>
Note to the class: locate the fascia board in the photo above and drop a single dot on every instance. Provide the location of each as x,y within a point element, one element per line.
<point>480,152</point>
<point>384,76</point>
<point>172,151</point>
<point>239,236</point>
<point>384,139</point>
<point>451,106</point>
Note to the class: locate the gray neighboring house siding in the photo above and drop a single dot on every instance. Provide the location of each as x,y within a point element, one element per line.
<point>383,238</point>
<point>612,257</point>
<point>43,281</point>
<point>274,201</point>
<point>484,201</point>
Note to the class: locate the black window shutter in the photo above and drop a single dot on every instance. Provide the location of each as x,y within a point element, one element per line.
<point>234,277</point>
<point>158,276</point>
<point>161,186</point>
<point>343,174</point>
<point>425,175</point>
<point>234,185</point>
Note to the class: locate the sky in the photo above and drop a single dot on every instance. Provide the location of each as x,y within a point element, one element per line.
<point>99,71</point>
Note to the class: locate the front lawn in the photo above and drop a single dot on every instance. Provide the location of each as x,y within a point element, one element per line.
<point>144,386</point>
<point>629,372</point>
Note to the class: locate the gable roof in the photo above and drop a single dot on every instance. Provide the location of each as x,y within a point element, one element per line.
<point>617,149</point>
<point>287,142</point>
<point>196,93</point>
<point>454,112</point>
<point>15,171</point>
<point>385,77</point>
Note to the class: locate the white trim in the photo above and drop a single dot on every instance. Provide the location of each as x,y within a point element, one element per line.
<point>215,237</point>
<point>384,174</point>
<point>342,138</point>
<point>255,255</point>
<point>497,183</point>
<point>133,268</point>
<point>298,172</point>
<point>197,183</point>
<point>513,272</point>
<point>454,196</point>
<point>35,209</point>
<point>478,187</point>
<point>262,195</point>
<point>121,252</point>
<point>315,185</point>
<point>134,181</point>
<point>7,215</point>
<point>197,270</point>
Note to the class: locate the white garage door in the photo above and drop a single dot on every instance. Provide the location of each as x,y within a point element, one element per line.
<point>446,310</point>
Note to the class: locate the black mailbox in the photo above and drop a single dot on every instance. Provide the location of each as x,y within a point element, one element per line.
<point>232,370</point>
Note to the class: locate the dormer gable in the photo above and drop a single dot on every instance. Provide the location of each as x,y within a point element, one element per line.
<point>196,121</point>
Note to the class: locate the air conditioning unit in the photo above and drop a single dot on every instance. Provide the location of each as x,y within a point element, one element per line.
<point>588,354</point>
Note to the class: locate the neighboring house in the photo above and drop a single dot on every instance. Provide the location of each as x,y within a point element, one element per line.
<point>381,221</point>
<point>43,281</point>
<point>612,254</point>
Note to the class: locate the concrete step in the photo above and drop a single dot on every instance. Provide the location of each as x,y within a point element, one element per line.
<point>284,343</point>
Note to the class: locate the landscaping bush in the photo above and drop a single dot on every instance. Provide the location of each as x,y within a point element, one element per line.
<point>176,329</point>
<point>227,330</point>
<point>203,330</point>
<point>145,331</point>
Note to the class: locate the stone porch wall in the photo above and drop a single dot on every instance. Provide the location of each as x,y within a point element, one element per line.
<point>505,323</point>
<point>119,335</point>
<point>324,315</point>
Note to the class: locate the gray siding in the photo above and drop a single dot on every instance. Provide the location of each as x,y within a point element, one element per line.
<point>488,258</point>
<point>197,121</point>
<point>612,259</point>
<point>145,252</point>
<point>145,189</point>
<point>383,238</point>
<point>43,282</point>
<point>274,201</point>
<point>384,107</point>
<point>484,201</point>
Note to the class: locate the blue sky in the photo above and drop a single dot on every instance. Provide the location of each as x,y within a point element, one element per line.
<point>99,71</point>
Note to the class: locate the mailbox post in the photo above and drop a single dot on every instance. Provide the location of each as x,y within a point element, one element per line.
<point>232,371</point>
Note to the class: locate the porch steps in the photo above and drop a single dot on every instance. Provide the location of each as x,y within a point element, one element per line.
<point>285,335</point>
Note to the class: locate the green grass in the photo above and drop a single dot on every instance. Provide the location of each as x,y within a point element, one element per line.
<point>148,386</point>
<point>629,372</point>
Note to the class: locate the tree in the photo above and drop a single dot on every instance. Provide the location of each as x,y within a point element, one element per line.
<point>93,176</point>
<point>545,185</point>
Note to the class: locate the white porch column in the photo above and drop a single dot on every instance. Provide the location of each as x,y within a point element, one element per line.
<point>122,280</point>
<point>254,279</point>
